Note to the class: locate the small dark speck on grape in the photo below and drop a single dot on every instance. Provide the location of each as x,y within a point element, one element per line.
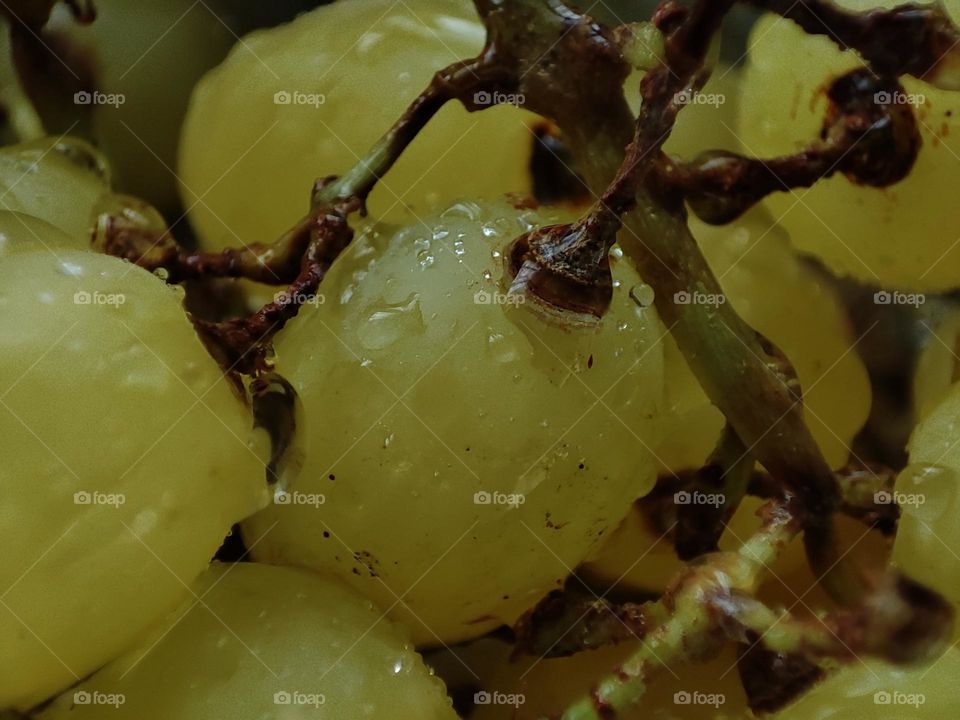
<point>590,362</point>
<point>581,466</point>
<point>332,476</point>
<point>326,533</point>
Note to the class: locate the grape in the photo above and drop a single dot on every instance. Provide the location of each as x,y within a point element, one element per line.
<point>126,459</point>
<point>795,308</point>
<point>456,441</point>
<point>366,61</point>
<point>928,492</point>
<point>59,181</point>
<point>265,642</point>
<point>20,233</point>
<point>938,366</point>
<point>874,690</point>
<point>142,73</point>
<point>903,236</point>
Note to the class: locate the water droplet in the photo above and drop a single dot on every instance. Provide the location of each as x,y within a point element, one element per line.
<point>501,349</point>
<point>69,268</point>
<point>388,323</point>
<point>469,210</point>
<point>642,294</point>
<point>388,440</point>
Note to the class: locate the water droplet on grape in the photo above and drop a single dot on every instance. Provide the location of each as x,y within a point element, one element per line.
<point>643,295</point>
<point>388,323</point>
<point>501,349</point>
<point>72,269</point>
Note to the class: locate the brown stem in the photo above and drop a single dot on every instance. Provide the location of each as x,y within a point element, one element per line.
<point>910,39</point>
<point>867,135</point>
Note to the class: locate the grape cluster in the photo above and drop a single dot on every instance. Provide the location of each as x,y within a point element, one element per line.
<point>301,524</point>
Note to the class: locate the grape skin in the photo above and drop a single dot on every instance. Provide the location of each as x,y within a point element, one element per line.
<point>873,690</point>
<point>903,236</point>
<point>369,60</point>
<point>154,65</point>
<point>492,399</point>
<point>24,233</point>
<point>39,178</point>
<point>938,366</point>
<point>101,398</point>
<point>257,631</point>
<point>786,300</point>
<point>928,536</point>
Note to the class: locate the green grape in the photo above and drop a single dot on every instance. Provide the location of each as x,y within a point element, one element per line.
<point>928,492</point>
<point>797,309</point>
<point>462,453</point>
<point>60,182</point>
<point>126,459</point>
<point>314,95</point>
<point>938,366</point>
<point>138,77</point>
<point>874,690</point>
<point>264,643</point>
<point>530,688</point>
<point>903,236</point>
<point>25,233</point>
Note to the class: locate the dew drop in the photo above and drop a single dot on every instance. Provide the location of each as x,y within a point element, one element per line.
<point>69,268</point>
<point>501,349</point>
<point>387,323</point>
<point>642,294</point>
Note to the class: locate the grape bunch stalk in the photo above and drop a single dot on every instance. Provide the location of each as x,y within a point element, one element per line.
<point>571,70</point>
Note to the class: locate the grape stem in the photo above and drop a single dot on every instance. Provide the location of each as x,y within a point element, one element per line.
<point>732,363</point>
<point>865,135</point>
<point>918,40</point>
<point>713,601</point>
